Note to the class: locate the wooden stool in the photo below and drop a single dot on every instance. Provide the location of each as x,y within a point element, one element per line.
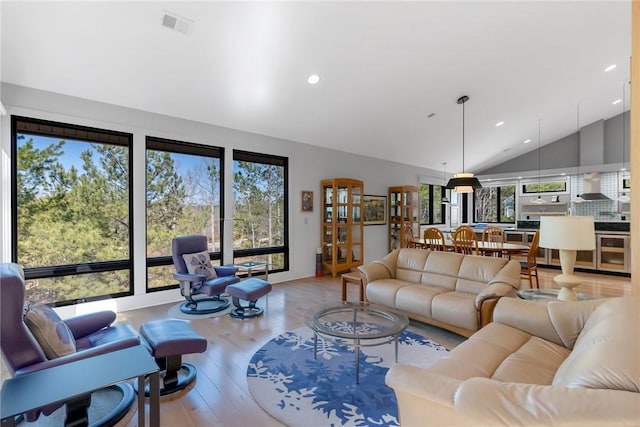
<point>352,277</point>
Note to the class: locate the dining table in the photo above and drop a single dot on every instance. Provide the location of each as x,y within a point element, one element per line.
<point>486,247</point>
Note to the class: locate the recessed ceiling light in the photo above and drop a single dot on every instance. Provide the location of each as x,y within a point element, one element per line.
<point>499,124</point>
<point>563,173</point>
<point>609,68</point>
<point>313,79</point>
<point>617,101</point>
<point>526,141</point>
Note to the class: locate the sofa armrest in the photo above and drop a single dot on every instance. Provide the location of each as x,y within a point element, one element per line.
<point>423,384</point>
<point>186,277</point>
<point>494,290</point>
<point>86,324</point>
<point>492,402</point>
<point>372,272</point>
<point>225,270</point>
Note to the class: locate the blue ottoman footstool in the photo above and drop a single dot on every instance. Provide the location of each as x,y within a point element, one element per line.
<point>248,290</point>
<point>168,340</point>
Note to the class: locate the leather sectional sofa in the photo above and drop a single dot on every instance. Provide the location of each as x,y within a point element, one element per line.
<point>449,290</point>
<point>537,364</point>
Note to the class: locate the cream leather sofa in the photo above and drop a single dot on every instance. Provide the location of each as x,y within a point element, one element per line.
<point>453,291</point>
<point>537,364</point>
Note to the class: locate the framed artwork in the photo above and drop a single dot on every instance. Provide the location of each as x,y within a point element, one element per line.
<point>306,198</point>
<point>375,210</point>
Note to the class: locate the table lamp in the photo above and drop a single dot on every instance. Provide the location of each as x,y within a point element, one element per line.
<point>568,234</point>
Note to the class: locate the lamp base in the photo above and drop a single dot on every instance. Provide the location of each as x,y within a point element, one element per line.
<point>567,282</point>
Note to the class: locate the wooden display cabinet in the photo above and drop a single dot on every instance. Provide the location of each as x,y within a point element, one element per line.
<point>342,225</point>
<point>404,208</point>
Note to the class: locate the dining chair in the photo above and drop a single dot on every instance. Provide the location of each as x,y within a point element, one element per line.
<point>529,267</point>
<point>409,238</point>
<point>434,239</point>
<point>465,240</point>
<point>493,235</point>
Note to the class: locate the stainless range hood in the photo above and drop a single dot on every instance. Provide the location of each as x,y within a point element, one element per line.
<point>591,187</point>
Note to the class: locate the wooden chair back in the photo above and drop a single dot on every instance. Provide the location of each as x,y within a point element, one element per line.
<point>434,239</point>
<point>408,240</point>
<point>493,235</point>
<point>529,267</point>
<point>465,240</point>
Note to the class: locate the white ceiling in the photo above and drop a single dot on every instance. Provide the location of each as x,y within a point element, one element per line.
<point>384,67</point>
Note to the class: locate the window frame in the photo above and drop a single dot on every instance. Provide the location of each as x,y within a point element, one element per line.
<point>249,156</point>
<point>498,186</point>
<point>443,210</point>
<point>90,135</point>
<point>181,147</point>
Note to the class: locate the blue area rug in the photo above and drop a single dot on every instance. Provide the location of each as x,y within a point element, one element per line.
<point>298,390</point>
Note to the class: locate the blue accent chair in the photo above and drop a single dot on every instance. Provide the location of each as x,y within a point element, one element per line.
<point>193,285</point>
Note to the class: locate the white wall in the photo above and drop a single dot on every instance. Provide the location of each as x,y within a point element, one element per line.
<point>307,166</point>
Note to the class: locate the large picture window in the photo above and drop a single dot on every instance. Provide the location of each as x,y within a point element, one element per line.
<point>71,211</point>
<point>431,209</point>
<point>184,193</point>
<point>495,204</point>
<point>260,220</point>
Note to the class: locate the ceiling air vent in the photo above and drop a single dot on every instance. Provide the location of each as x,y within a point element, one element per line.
<point>176,23</point>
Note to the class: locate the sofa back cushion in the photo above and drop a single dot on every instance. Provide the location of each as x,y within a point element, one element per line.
<point>477,271</point>
<point>607,351</point>
<point>410,263</point>
<point>441,269</point>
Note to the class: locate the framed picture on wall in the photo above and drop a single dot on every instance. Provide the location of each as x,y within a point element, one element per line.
<point>306,198</point>
<point>375,210</point>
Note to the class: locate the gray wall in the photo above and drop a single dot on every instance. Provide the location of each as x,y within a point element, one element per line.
<point>564,152</point>
<point>307,166</point>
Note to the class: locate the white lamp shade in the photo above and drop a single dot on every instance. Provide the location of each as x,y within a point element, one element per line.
<point>567,232</point>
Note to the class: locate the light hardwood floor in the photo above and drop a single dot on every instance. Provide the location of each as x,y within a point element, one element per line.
<point>220,396</point>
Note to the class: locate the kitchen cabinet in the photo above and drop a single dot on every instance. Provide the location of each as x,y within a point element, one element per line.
<point>613,253</point>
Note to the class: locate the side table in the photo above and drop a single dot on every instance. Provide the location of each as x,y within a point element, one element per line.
<point>352,277</point>
<point>65,382</point>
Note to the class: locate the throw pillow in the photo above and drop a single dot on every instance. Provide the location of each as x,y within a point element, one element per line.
<point>50,331</point>
<point>200,263</point>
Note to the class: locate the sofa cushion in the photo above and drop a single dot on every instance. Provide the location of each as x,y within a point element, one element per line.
<point>200,263</point>
<point>477,271</point>
<point>417,298</point>
<point>535,362</point>
<point>384,291</point>
<point>441,269</point>
<point>482,354</point>
<point>410,264</point>
<point>605,353</point>
<point>50,331</point>
<point>456,308</point>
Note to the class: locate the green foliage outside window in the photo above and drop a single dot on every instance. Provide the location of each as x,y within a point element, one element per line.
<point>72,210</point>
<point>495,204</point>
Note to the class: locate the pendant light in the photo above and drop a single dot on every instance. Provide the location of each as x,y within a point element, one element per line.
<point>578,199</point>
<point>463,182</point>
<point>539,200</point>
<point>623,198</point>
<point>445,199</point>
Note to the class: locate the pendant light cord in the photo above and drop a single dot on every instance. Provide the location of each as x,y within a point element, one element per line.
<point>539,138</point>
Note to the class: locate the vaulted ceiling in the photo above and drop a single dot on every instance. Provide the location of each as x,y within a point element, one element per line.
<point>384,68</point>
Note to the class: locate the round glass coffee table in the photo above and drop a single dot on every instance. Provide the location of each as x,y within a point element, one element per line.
<point>545,295</point>
<point>358,324</point>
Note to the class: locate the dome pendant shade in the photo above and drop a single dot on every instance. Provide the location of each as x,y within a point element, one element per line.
<point>463,183</point>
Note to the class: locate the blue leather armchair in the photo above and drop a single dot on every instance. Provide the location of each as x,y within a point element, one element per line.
<point>192,285</point>
<point>93,334</point>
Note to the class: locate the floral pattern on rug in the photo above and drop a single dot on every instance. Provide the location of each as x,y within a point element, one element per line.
<point>292,386</point>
